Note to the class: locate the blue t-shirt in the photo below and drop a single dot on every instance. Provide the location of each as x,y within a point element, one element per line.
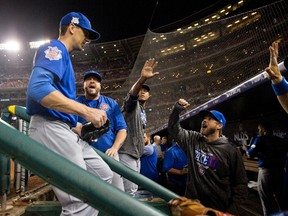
<point>175,158</point>
<point>54,57</point>
<point>114,115</point>
<point>149,163</point>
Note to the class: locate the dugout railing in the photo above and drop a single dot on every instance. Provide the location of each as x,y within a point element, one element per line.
<point>53,168</point>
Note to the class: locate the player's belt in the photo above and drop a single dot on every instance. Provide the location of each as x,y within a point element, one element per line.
<point>55,119</point>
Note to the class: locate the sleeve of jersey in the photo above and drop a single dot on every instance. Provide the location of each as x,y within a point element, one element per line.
<point>130,103</point>
<point>252,152</point>
<point>40,84</point>
<point>167,162</point>
<point>118,118</point>
<point>148,150</point>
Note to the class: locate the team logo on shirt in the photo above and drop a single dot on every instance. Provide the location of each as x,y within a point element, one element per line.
<point>205,160</point>
<point>53,53</point>
<point>104,106</point>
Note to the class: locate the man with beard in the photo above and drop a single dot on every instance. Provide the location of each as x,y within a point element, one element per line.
<point>216,173</point>
<point>110,142</point>
<point>135,117</point>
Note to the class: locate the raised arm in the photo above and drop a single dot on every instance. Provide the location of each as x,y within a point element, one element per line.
<point>279,83</point>
<point>174,128</point>
<point>147,72</point>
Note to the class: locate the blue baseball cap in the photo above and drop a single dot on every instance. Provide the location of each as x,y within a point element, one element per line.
<point>145,86</point>
<point>82,21</point>
<point>92,73</point>
<point>218,116</point>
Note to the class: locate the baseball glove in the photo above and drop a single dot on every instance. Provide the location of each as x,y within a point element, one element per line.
<point>191,207</point>
<point>90,133</point>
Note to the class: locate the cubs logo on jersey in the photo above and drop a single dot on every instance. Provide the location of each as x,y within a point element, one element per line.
<point>53,53</point>
<point>104,106</point>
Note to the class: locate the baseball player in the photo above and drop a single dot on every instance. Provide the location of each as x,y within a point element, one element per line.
<point>216,172</point>
<point>111,141</point>
<point>279,82</point>
<point>272,154</point>
<point>135,117</point>
<point>51,96</point>
<point>280,87</point>
<point>149,160</point>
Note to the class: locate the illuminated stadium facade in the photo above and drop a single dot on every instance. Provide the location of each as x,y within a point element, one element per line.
<point>199,61</point>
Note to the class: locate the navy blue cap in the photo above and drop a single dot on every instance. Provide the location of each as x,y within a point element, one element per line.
<point>92,73</point>
<point>82,21</point>
<point>218,116</point>
<point>145,86</point>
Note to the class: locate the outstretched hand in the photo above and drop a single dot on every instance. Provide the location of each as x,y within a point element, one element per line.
<point>148,69</point>
<point>273,69</point>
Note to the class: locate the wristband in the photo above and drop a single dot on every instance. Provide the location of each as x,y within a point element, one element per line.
<point>281,87</point>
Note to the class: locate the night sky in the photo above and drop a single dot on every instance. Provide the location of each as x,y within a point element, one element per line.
<point>29,20</point>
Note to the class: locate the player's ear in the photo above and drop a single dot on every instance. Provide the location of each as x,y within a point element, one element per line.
<point>71,28</point>
<point>219,126</point>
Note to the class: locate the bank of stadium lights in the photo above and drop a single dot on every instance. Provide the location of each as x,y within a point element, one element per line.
<point>204,38</point>
<point>173,49</point>
<point>254,16</point>
<point>36,44</point>
<point>213,17</point>
<point>240,2</point>
<point>161,37</point>
<point>11,46</point>
<point>206,20</point>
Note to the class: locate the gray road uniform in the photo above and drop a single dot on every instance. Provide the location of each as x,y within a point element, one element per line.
<point>133,147</point>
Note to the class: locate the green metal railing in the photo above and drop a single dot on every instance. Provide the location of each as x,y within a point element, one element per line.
<point>53,168</point>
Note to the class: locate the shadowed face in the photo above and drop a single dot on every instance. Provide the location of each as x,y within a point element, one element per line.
<point>164,140</point>
<point>261,131</point>
<point>143,95</point>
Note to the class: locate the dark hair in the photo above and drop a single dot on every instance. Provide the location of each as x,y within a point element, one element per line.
<point>63,29</point>
<point>267,126</point>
